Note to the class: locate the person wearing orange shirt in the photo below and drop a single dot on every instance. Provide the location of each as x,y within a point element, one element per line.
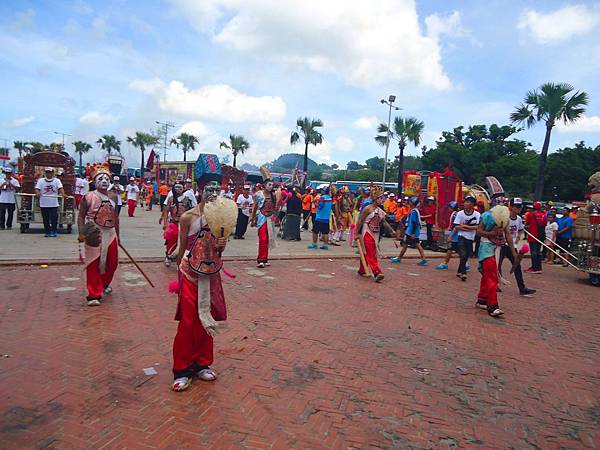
<point>149,195</point>
<point>402,212</point>
<point>306,207</point>
<point>163,191</point>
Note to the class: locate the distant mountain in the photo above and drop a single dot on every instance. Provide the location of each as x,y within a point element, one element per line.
<point>289,161</point>
<point>248,166</point>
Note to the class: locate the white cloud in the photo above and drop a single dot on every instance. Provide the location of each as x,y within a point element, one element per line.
<point>560,25</point>
<point>450,25</point>
<point>218,102</point>
<point>18,122</point>
<point>587,124</point>
<point>96,118</point>
<point>364,43</point>
<point>344,144</point>
<point>366,123</point>
<point>23,19</point>
<point>195,128</point>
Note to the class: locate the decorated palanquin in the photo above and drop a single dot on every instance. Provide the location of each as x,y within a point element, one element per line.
<point>33,170</point>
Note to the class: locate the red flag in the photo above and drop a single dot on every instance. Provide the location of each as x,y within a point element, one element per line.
<point>150,162</point>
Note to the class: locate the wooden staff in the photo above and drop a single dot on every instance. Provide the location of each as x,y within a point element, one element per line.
<point>552,250</point>
<point>362,257</point>
<point>137,266</point>
<point>568,253</point>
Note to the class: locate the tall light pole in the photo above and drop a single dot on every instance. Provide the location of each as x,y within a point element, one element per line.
<point>63,138</point>
<point>167,125</point>
<point>391,99</point>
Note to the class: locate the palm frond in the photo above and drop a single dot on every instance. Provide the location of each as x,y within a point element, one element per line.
<point>294,138</point>
<point>381,140</point>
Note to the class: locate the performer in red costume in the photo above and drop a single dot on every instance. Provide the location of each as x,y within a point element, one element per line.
<point>201,298</point>
<point>98,224</point>
<point>369,223</point>
<point>174,208</point>
<point>266,203</point>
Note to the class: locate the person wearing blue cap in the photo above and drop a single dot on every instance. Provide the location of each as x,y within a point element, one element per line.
<point>413,230</point>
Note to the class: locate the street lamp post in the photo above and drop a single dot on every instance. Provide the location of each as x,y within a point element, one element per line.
<point>391,99</point>
<point>63,138</point>
<point>167,125</point>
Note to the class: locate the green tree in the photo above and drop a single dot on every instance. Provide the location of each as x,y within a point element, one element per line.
<point>36,147</point>
<point>81,148</point>
<point>404,131</point>
<point>307,130</point>
<point>352,165</point>
<point>21,148</point>
<point>237,144</point>
<point>108,143</point>
<point>568,170</point>
<point>141,140</point>
<point>375,163</point>
<point>187,143</point>
<point>549,103</point>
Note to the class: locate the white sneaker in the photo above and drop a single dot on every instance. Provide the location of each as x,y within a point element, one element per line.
<point>207,374</point>
<point>267,264</point>
<point>260,265</point>
<point>167,262</point>
<point>93,302</point>
<point>181,384</point>
<point>108,290</point>
<point>497,312</point>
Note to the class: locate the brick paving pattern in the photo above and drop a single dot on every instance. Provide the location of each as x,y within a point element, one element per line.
<point>327,360</point>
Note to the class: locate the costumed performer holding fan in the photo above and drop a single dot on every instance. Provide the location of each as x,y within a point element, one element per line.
<point>174,208</point>
<point>98,224</point>
<point>493,229</point>
<point>266,202</point>
<point>203,232</point>
<point>369,224</point>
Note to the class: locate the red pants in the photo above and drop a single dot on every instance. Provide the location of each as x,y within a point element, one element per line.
<point>263,243</point>
<point>96,281</point>
<point>192,345</point>
<point>171,236</point>
<point>370,255</point>
<point>131,204</point>
<point>78,198</point>
<point>488,288</point>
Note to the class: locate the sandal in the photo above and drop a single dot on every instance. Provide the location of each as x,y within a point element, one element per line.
<point>181,384</point>
<point>207,374</point>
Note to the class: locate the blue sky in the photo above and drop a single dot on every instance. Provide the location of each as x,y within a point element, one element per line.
<point>215,67</point>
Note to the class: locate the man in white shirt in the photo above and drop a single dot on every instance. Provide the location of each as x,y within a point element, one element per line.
<point>133,191</point>
<point>118,189</point>
<point>8,198</point>
<point>82,187</point>
<point>467,222</point>
<point>189,197</point>
<point>515,228</point>
<point>47,190</point>
<point>245,203</point>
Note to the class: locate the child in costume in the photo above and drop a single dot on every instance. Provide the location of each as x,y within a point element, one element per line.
<point>369,224</point>
<point>201,298</point>
<point>265,205</point>
<point>493,229</point>
<point>98,224</point>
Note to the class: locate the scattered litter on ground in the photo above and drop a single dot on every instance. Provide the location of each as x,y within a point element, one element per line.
<point>256,273</point>
<point>70,278</point>
<point>413,274</point>
<point>64,289</point>
<point>43,266</point>
<point>136,283</point>
<point>131,275</point>
<point>324,275</point>
<point>308,269</point>
<point>149,371</point>
<point>421,370</point>
<point>330,259</point>
<point>248,286</point>
<point>462,370</point>
<point>268,278</point>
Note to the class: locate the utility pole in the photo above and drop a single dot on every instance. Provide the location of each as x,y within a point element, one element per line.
<point>63,138</point>
<point>166,125</point>
<point>389,101</point>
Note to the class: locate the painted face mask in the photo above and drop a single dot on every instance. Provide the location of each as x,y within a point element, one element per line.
<point>102,181</point>
<point>381,200</point>
<point>269,185</point>
<point>178,188</point>
<point>211,191</point>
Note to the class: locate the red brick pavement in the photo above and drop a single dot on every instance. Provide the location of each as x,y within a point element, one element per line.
<point>320,363</point>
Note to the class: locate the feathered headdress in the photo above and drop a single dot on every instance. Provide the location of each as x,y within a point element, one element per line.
<point>266,175</point>
<point>221,215</point>
<point>99,168</point>
<point>376,192</point>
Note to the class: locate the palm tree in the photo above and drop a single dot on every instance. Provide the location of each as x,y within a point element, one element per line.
<point>404,131</point>
<point>308,130</point>
<point>237,144</point>
<point>187,142</point>
<point>81,148</point>
<point>141,140</point>
<point>21,147</point>
<point>109,143</point>
<point>549,103</point>
<point>36,147</point>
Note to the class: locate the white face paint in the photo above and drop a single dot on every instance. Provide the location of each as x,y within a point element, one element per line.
<point>102,181</point>
<point>269,185</point>
<point>211,193</point>
<point>178,188</point>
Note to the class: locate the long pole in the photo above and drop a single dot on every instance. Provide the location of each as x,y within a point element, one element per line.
<point>166,125</point>
<point>387,145</point>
